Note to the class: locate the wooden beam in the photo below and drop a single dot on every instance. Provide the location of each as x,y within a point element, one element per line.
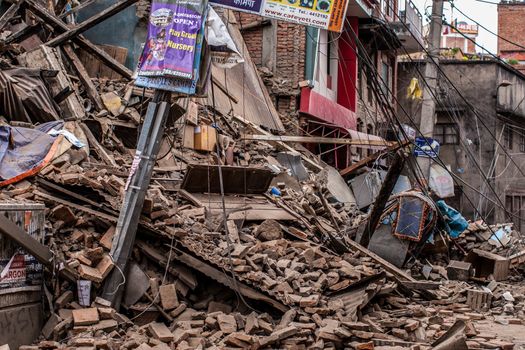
<point>226,280</point>
<point>382,198</point>
<point>75,206</point>
<point>420,285</point>
<point>188,196</point>
<point>84,77</point>
<point>90,22</point>
<point>316,139</point>
<point>75,195</point>
<point>255,25</point>
<point>23,34</point>
<point>223,89</point>
<point>386,265</point>
<point>93,142</point>
<point>11,11</point>
<point>365,161</point>
<point>155,303</point>
<point>42,253</point>
<point>37,249</point>
<point>61,27</point>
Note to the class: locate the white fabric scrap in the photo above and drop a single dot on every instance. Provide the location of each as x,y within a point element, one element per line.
<point>68,135</point>
<point>223,52</point>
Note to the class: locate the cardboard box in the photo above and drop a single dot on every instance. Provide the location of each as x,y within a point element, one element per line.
<point>205,138</point>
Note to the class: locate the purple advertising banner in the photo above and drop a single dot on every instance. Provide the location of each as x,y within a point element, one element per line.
<point>172,37</point>
<point>252,6</point>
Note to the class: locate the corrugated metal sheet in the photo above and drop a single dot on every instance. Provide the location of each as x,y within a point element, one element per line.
<point>361,136</point>
<point>25,97</point>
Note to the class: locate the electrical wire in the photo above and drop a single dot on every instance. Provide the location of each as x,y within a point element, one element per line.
<point>415,167</point>
<point>451,84</point>
<point>378,96</point>
<point>501,205</point>
<point>482,26</point>
<point>395,116</point>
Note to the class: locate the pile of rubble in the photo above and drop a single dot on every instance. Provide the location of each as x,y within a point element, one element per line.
<point>499,239</point>
<point>263,260</point>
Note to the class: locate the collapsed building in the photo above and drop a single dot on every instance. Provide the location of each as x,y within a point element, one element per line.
<point>244,238</point>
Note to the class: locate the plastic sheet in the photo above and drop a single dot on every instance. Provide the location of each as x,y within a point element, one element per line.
<point>23,151</point>
<point>456,223</point>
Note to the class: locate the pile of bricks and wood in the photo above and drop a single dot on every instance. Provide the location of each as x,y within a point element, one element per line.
<point>260,257</point>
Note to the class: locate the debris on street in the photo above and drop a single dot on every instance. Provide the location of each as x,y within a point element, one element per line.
<point>244,238</point>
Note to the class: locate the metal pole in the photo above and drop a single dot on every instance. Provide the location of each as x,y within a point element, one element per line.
<point>135,191</point>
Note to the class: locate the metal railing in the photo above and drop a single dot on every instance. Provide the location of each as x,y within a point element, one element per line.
<point>410,15</point>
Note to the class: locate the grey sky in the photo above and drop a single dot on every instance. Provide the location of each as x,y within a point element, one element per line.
<point>485,14</point>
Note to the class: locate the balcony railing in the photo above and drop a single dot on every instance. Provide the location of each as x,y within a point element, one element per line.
<point>409,26</point>
<point>410,15</point>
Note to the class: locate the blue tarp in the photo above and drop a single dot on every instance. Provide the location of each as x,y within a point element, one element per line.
<point>23,149</point>
<point>456,223</point>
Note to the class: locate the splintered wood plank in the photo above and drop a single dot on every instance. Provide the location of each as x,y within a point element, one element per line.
<point>11,11</point>
<point>260,208</point>
<point>99,149</point>
<point>84,77</point>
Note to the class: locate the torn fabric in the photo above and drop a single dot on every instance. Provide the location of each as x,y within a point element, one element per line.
<point>223,52</point>
<point>414,91</point>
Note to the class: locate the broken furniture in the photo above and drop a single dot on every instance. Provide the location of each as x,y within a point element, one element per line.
<point>487,264</point>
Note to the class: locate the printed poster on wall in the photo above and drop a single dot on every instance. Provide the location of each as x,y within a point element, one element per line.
<point>170,48</point>
<point>21,271</point>
<point>324,14</point>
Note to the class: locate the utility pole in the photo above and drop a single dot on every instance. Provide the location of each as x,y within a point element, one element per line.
<point>394,170</point>
<point>135,191</point>
<point>428,108</point>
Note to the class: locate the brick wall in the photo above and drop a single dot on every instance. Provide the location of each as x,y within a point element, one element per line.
<point>290,58</point>
<point>511,25</point>
<point>291,45</point>
<point>252,37</point>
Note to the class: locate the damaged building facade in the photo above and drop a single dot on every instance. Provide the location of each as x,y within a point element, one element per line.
<point>480,133</point>
<point>324,77</point>
<point>510,27</point>
<point>152,202</point>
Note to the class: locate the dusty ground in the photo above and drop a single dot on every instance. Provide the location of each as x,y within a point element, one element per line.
<point>512,332</point>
